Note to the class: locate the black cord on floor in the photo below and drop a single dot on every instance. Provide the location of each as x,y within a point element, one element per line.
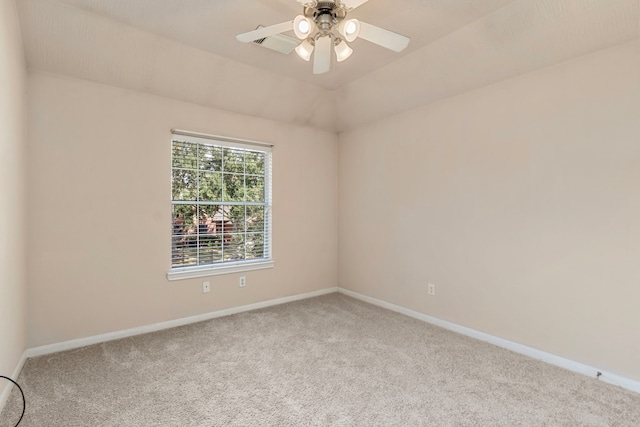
<point>24,401</point>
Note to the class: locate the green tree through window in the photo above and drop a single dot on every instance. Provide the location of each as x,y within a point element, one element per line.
<point>220,203</point>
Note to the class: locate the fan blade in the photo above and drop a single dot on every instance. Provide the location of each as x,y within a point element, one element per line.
<point>352,4</point>
<point>385,38</point>
<point>322,57</point>
<point>261,33</point>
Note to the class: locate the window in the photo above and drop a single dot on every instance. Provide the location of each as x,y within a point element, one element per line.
<point>221,205</point>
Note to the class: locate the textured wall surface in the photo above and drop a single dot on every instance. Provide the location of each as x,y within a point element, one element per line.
<point>519,201</point>
<point>73,42</point>
<point>12,207</point>
<point>100,214</point>
<point>516,39</point>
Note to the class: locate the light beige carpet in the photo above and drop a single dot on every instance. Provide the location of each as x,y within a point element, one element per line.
<point>330,360</point>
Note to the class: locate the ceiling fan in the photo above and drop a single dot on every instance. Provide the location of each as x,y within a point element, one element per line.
<point>323,25</point>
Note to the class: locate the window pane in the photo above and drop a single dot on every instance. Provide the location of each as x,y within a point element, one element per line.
<point>233,160</point>
<point>183,217</point>
<point>255,245</point>
<point>210,221</point>
<point>255,219</point>
<point>184,251</point>
<point>233,188</point>
<point>210,186</point>
<point>210,158</point>
<point>254,163</point>
<point>184,185</point>
<point>234,247</point>
<point>184,254</point>
<point>184,155</point>
<point>255,188</point>
<point>235,219</point>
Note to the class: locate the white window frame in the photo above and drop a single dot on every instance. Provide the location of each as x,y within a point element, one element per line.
<point>229,267</point>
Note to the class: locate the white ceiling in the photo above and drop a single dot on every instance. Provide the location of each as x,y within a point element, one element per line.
<point>186,49</point>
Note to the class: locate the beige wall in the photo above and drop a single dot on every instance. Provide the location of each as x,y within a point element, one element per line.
<point>12,142</point>
<point>519,201</point>
<point>518,38</point>
<point>64,40</point>
<point>99,210</point>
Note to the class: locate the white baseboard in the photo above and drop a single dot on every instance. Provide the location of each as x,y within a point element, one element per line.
<point>4,396</point>
<point>552,359</point>
<point>97,339</point>
<point>570,365</point>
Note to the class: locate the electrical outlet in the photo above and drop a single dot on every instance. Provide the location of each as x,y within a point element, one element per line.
<point>243,281</point>
<point>206,287</point>
<point>431,289</point>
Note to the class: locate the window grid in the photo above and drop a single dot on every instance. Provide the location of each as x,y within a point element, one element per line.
<point>233,242</point>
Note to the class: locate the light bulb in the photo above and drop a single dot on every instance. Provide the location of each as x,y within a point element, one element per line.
<point>350,28</point>
<point>303,26</point>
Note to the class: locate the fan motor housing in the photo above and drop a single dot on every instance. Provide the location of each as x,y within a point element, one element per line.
<point>325,5</point>
<point>326,14</point>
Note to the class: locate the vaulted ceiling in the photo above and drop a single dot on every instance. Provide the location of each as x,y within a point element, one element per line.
<point>186,50</point>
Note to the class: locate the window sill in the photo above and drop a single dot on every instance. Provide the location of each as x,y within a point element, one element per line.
<point>193,272</point>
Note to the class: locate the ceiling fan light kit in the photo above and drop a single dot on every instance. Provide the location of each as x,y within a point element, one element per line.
<point>350,29</point>
<point>324,25</point>
<point>343,51</point>
<point>305,49</point>
<point>303,26</point>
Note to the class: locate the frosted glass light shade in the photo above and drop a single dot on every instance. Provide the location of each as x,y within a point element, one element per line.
<point>304,50</point>
<point>349,28</point>
<point>303,26</point>
<point>343,51</point>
